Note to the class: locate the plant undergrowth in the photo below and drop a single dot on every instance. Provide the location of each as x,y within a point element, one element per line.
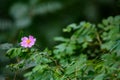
<point>91,52</point>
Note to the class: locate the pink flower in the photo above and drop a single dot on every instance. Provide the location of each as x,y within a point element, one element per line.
<point>28,42</point>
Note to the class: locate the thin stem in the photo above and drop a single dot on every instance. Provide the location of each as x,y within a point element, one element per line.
<point>76,73</point>
<point>98,38</point>
<point>15,75</point>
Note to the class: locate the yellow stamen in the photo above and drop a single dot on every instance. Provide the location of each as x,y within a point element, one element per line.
<point>28,41</point>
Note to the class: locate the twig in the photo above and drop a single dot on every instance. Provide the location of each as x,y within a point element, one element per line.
<point>98,38</point>
<point>15,75</point>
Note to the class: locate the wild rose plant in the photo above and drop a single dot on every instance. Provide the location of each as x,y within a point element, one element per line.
<point>83,56</point>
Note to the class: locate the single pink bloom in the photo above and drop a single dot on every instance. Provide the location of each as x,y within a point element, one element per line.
<point>28,42</point>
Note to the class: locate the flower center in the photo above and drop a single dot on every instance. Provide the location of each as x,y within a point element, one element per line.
<point>28,41</point>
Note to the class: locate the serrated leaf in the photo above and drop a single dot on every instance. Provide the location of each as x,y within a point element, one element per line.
<point>13,52</point>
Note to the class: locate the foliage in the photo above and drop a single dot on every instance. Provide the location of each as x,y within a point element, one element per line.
<point>91,52</point>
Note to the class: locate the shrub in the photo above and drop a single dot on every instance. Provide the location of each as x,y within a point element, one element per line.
<point>90,52</point>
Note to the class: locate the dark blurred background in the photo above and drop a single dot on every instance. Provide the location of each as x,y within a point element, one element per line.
<point>45,19</point>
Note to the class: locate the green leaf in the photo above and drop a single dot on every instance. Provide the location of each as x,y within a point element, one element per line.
<point>62,39</point>
<point>70,27</point>
<point>99,77</point>
<point>14,52</point>
<point>77,66</point>
<point>61,47</point>
<point>27,74</point>
<point>39,68</point>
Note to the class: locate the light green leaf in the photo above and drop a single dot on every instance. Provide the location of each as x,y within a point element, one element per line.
<point>99,77</point>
